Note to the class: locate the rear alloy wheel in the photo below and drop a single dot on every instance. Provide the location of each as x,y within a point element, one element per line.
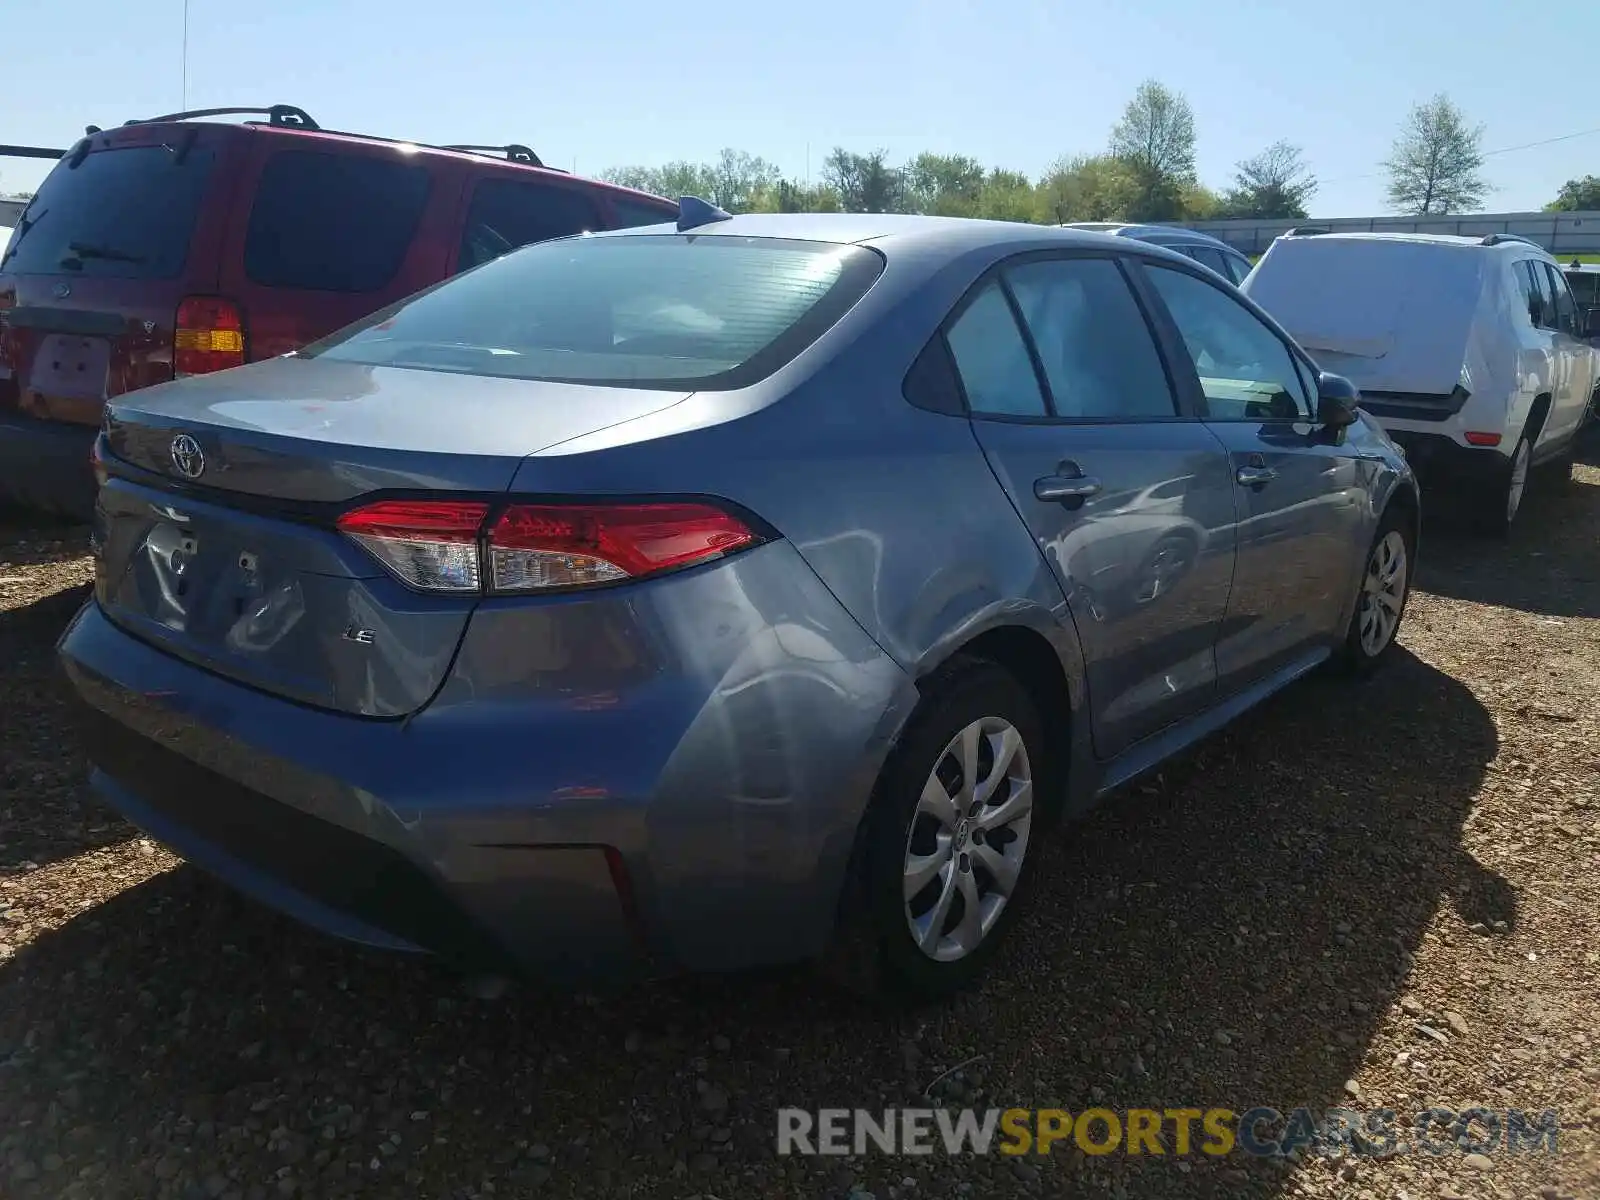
<point>952,835</point>
<point>968,839</point>
<point>1381,603</point>
<point>1501,505</point>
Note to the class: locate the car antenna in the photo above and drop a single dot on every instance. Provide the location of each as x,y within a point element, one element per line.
<point>694,212</point>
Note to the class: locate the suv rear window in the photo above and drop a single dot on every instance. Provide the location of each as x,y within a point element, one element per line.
<point>122,213</point>
<point>333,222</point>
<point>1585,287</point>
<point>629,213</point>
<point>643,310</point>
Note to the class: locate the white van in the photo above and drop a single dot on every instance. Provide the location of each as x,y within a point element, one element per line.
<point>1467,350</point>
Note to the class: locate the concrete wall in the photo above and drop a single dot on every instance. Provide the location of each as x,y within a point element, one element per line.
<point>1559,233</point>
<point>10,210</point>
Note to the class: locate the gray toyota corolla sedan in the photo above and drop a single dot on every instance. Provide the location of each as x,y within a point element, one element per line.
<point>697,597</point>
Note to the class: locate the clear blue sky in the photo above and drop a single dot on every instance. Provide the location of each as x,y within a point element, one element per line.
<point>1015,83</point>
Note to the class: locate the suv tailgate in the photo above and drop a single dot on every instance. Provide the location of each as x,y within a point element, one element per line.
<point>119,232</point>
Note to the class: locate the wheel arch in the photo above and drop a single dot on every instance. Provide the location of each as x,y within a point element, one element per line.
<point>1533,427</point>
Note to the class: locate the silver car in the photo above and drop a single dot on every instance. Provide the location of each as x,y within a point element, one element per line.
<point>696,597</point>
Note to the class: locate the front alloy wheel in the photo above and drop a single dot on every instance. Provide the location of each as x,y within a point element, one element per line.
<point>1383,594</point>
<point>1381,601</point>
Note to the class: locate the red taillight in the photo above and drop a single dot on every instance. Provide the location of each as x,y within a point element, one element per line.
<point>208,335</point>
<point>430,545</point>
<point>435,545</point>
<point>1482,439</point>
<point>535,546</point>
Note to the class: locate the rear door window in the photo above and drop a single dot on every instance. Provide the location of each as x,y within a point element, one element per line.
<point>333,222</point>
<point>506,214</point>
<point>992,360</point>
<point>122,213</point>
<point>1542,295</point>
<point>1566,310</point>
<point>1098,354</point>
<point>1238,267</point>
<point>1207,257</point>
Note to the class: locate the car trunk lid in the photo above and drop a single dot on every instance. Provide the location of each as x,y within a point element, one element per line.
<point>216,531</point>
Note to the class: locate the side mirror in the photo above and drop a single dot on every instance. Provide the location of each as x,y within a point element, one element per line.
<point>1337,401</point>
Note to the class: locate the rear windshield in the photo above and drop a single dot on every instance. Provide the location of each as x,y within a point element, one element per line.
<point>1585,286</point>
<point>643,311</point>
<point>124,213</point>
<point>1353,294</point>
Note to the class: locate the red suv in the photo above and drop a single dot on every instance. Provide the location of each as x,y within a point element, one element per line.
<point>174,246</point>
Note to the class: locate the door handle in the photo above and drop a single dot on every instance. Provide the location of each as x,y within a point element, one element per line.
<point>1066,487</point>
<point>1255,476</point>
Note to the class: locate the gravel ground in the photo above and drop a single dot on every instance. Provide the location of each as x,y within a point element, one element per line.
<point>1370,895</point>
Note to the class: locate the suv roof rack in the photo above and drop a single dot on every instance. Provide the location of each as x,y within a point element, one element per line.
<point>1496,239</point>
<point>30,152</point>
<point>290,116</point>
<point>513,151</point>
<point>286,115</point>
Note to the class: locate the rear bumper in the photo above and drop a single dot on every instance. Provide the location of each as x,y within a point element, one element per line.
<point>45,465</point>
<point>701,820</point>
<point>1442,461</point>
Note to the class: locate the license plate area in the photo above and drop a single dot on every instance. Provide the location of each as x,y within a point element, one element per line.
<point>71,367</point>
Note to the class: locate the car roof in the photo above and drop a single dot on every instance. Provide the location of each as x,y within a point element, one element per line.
<point>1158,234</point>
<point>1583,268</point>
<point>886,229</point>
<point>1459,240</point>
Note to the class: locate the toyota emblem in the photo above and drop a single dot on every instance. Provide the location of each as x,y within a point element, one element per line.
<point>187,456</point>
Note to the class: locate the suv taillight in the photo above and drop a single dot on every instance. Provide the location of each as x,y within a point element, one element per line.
<point>452,546</point>
<point>208,335</point>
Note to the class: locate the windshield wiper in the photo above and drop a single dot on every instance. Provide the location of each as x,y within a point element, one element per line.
<point>78,251</point>
<point>24,224</point>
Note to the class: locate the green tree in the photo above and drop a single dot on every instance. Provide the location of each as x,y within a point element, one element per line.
<point>1577,195</point>
<point>737,178</point>
<point>1435,164</point>
<point>1008,196</point>
<point>786,196</point>
<point>673,180</point>
<point>864,182</point>
<point>1199,203</point>
<point>1155,140</point>
<point>1273,185</point>
<point>1088,187</point>
<point>949,185</point>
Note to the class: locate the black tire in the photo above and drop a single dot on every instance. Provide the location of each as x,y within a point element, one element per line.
<point>887,960</point>
<point>1357,656</point>
<point>1496,513</point>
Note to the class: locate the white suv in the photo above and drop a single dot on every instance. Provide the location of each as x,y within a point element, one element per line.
<point>1468,350</point>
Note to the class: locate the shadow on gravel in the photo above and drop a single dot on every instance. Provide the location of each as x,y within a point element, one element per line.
<point>1228,933</point>
<point>27,539</point>
<point>1549,565</point>
<point>45,813</point>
